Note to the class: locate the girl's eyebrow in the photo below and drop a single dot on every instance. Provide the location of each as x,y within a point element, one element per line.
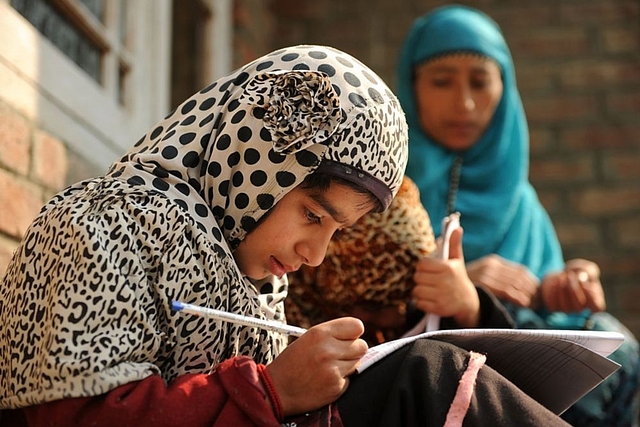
<point>329,208</point>
<point>440,68</point>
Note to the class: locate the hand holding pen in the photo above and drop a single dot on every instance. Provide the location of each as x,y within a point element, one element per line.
<point>449,224</point>
<point>443,288</point>
<point>312,371</point>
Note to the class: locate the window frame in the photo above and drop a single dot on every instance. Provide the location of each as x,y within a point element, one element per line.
<point>41,82</point>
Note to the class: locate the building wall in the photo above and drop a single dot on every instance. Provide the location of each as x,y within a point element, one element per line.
<point>578,68</point>
<point>253,29</point>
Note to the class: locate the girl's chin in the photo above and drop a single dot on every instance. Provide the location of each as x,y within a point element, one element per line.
<point>254,274</point>
<point>458,144</point>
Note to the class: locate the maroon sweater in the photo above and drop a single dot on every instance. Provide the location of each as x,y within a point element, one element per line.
<point>236,394</point>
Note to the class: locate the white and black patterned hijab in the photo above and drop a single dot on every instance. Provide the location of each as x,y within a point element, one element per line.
<point>232,151</point>
<point>97,268</point>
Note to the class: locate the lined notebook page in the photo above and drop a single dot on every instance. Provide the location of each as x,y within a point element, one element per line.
<point>554,367</point>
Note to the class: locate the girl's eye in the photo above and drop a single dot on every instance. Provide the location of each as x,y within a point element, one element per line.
<point>440,82</point>
<point>478,84</point>
<point>312,218</point>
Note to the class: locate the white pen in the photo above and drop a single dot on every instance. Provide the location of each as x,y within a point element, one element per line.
<point>212,313</point>
<point>449,223</point>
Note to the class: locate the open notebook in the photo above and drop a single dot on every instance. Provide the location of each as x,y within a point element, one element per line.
<point>554,367</point>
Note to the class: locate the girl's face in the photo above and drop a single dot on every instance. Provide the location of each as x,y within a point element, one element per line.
<point>298,229</point>
<point>456,96</point>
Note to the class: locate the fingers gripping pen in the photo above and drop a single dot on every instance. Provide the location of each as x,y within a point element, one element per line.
<point>449,223</point>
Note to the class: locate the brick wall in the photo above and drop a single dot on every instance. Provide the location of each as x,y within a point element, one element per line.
<point>578,68</point>
<point>33,166</point>
<point>253,25</point>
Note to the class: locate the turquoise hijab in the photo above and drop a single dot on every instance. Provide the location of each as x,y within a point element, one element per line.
<point>500,211</point>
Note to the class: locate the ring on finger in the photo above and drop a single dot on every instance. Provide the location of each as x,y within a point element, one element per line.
<point>583,276</point>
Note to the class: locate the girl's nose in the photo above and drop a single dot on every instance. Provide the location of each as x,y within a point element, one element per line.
<point>469,104</point>
<point>464,98</point>
<point>313,250</point>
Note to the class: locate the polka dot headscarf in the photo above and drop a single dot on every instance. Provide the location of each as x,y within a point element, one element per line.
<point>105,256</point>
<point>229,153</point>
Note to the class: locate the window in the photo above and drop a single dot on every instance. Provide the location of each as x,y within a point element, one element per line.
<point>81,29</point>
<point>97,73</point>
<point>93,73</point>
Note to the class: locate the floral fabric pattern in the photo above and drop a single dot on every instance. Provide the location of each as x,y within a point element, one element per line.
<point>300,109</point>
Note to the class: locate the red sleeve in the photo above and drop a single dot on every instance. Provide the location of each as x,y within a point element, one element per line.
<point>233,395</point>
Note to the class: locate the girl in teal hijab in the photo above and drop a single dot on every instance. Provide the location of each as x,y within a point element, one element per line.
<point>501,211</point>
<point>486,180</point>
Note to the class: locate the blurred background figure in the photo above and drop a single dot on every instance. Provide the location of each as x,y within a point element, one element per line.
<point>469,152</point>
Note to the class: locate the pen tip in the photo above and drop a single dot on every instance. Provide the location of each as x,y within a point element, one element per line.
<point>176,305</point>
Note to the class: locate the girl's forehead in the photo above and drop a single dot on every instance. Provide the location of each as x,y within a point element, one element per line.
<point>458,60</point>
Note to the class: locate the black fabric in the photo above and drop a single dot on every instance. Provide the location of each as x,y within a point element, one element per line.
<point>415,386</point>
<point>492,313</point>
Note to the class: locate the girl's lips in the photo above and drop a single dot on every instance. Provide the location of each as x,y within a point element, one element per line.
<point>463,133</point>
<point>276,267</point>
<point>462,126</point>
